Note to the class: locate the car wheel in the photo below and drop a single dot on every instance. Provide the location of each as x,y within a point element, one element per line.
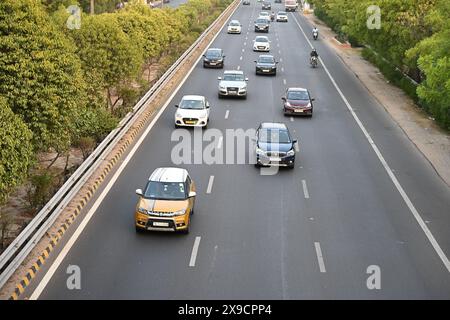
<point>219,96</point>
<point>186,231</point>
<point>244,97</point>
<point>275,73</point>
<point>139,230</point>
<point>291,166</point>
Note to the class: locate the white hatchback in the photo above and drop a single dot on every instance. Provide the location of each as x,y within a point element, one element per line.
<point>234,27</point>
<point>192,111</point>
<point>261,43</point>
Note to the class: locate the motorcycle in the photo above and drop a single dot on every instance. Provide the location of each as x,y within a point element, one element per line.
<point>272,17</point>
<point>314,61</point>
<point>315,35</point>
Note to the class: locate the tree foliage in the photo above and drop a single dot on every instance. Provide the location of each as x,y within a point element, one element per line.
<point>40,74</point>
<point>414,36</point>
<point>16,151</point>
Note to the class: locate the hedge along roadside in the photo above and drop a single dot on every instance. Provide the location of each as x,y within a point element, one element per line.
<point>412,35</point>
<point>152,101</point>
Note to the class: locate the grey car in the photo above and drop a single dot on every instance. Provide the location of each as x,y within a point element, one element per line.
<point>261,25</point>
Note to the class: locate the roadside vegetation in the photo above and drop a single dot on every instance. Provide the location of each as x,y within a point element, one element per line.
<point>66,88</point>
<point>414,39</point>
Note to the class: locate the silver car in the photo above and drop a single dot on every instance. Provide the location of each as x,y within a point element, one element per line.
<point>233,84</point>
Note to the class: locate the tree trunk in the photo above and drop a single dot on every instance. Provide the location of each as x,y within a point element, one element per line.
<point>92,7</point>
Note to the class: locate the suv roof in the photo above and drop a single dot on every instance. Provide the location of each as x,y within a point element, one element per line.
<point>168,174</point>
<point>273,125</point>
<point>233,72</point>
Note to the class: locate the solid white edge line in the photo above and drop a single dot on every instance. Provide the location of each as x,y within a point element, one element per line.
<point>210,184</point>
<point>219,143</point>
<point>305,189</point>
<point>194,251</point>
<point>52,269</point>
<point>397,184</point>
<point>320,257</point>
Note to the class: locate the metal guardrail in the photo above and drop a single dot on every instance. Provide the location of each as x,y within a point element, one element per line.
<point>18,250</point>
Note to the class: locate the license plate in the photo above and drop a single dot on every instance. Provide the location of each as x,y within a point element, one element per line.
<point>266,70</point>
<point>190,122</point>
<point>298,110</point>
<point>212,63</point>
<point>232,92</point>
<point>274,159</point>
<point>160,224</point>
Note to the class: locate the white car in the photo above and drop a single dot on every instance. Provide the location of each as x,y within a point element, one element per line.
<point>234,27</point>
<point>264,15</point>
<point>261,43</point>
<point>192,111</point>
<point>233,83</point>
<point>282,16</point>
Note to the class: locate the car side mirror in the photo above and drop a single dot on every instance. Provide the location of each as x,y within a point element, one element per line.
<point>276,62</point>
<point>176,106</point>
<point>283,98</point>
<point>295,141</point>
<point>246,79</point>
<point>219,78</point>
<point>203,55</point>
<point>313,99</point>
<point>254,60</point>
<point>207,106</point>
<point>139,192</point>
<point>192,194</point>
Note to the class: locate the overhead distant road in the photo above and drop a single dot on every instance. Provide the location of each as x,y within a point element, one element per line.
<point>361,199</point>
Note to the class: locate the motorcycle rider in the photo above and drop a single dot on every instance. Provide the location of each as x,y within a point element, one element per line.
<point>313,54</point>
<point>272,16</point>
<point>315,31</point>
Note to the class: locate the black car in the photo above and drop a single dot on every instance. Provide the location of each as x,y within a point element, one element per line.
<point>262,25</point>
<point>277,1</point>
<point>266,5</point>
<point>274,145</point>
<point>213,58</point>
<point>297,101</point>
<point>246,2</point>
<point>266,64</point>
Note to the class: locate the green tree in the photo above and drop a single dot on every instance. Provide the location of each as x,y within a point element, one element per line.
<point>40,74</point>
<point>16,151</point>
<point>109,56</point>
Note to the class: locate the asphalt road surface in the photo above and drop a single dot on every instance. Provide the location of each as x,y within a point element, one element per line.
<point>308,233</point>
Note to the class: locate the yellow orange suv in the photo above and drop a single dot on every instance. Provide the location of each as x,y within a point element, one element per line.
<point>167,201</point>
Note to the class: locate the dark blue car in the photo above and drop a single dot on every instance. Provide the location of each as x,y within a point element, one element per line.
<point>274,145</point>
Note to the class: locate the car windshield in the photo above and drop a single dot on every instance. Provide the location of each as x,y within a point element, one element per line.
<point>282,13</point>
<point>165,190</point>
<point>265,60</point>
<point>213,54</point>
<point>191,104</point>
<point>233,77</point>
<point>234,23</point>
<point>261,20</point>
<point>263,14</point>
<point>298,95</point>
<point>261,40</point>
<point>273,136</point>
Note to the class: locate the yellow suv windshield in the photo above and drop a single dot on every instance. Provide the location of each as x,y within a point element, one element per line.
<point>165,190</point>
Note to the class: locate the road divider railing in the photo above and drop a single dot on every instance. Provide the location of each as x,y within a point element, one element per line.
<point>16,253</point>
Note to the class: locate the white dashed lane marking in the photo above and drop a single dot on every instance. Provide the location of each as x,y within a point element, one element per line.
<point>227,113</point>
<point>210,184</point>
<point>194,251</point>
<point>320,257</point>
<point>305,189</point>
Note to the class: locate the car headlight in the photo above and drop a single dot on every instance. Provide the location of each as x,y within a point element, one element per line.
<point>288,104</point>
<point>142,210</point>
<point>260,151</point>
<point>206,60</point>
<point>290,152</point>
<point>222,88</point>
<point>179,212</point>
